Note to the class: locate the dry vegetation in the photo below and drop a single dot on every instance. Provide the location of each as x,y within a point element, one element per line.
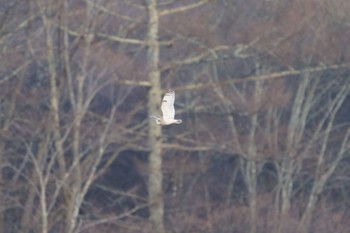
<point>262,88</point>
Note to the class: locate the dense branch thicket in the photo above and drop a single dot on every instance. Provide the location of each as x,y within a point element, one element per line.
<point>262,88</point>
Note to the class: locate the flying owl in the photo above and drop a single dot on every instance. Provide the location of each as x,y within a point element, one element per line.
<point>168,110</point>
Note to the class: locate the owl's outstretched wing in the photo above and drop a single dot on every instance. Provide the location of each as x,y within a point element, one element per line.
<point>167,106</point>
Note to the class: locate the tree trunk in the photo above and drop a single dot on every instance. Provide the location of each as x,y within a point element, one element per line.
<point>155,135</point>
<point>251,183</point>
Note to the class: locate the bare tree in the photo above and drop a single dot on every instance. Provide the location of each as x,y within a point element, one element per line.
<point>262,85</point>
<point>154,133</point>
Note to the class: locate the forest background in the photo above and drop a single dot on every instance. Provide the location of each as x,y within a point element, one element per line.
<point>262,88</point>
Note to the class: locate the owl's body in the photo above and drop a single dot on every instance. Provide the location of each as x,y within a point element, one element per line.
<point>168,110</point>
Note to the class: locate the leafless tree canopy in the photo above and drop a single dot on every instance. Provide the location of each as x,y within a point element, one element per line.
<point>262,87</point>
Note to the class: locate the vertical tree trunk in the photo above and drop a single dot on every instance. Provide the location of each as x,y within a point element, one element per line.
<point>251,183</point>
<point>284,194</point>
<point>155,140</point>
<point>2,198</point>
<point>251,165</point>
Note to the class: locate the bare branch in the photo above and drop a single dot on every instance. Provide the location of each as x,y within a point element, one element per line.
<point>182,9</point>
<point>122,40</point>
<point>196,58</point>
<point>134,83</point>
<point>14,73</point>
<point>114,218</point>
<point>265,77</point>
<point>106,36</point>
